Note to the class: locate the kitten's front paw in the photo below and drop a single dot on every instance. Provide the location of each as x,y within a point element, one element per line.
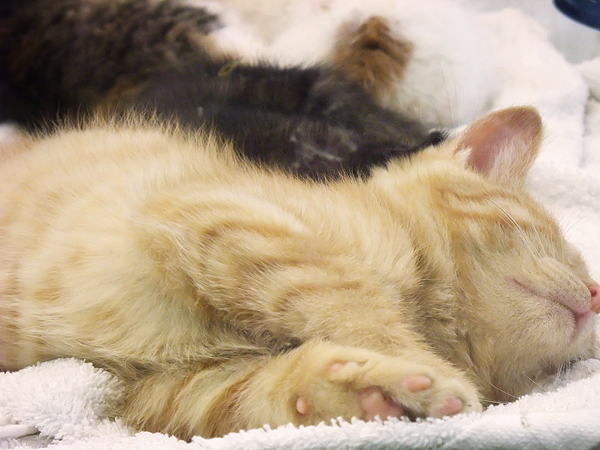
<point>351,382</point>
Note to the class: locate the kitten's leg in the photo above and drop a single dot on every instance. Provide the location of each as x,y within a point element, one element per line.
<point>306,146</point>
<point>258,267</point>
<point>316,382</point>
<point>309,121</point>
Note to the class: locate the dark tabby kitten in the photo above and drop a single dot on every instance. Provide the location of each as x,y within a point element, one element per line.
<point>67,58</point>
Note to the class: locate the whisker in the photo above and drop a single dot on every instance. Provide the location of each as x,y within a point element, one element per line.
<point>508,394</point>
<point>536,384</point>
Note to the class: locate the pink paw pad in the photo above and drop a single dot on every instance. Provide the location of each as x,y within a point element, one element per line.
<point>451,406</point>
<point>302,406</point>
<point>375,403</point>
<point>417,383</point>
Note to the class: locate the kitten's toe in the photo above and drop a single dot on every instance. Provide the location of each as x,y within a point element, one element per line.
<point>439,398</point>
<point>375,403</point>
<point>445,397</point>
<point>416,383</point>
<point>302,406</point>
<point>451,406</point>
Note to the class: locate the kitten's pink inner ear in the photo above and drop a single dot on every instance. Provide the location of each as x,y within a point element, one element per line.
<point>503,144</point>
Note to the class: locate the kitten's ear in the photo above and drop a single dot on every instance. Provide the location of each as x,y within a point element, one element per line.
<point>503,144</point>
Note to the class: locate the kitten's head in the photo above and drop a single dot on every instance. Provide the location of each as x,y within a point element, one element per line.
<point>524,294</point>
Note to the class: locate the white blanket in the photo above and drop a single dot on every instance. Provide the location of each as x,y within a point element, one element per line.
<point>64,400</point>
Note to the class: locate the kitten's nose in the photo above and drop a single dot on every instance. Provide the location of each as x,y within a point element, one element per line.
<point>595,291</point>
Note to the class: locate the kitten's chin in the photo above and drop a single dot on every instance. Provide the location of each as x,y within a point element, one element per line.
<point>583,323</point>
<point>577,323</point>
<point>574,324</point>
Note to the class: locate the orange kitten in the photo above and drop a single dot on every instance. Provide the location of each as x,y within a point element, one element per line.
<point>228,297</point>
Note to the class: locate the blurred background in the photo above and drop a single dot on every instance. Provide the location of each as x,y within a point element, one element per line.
<point>576,41</point>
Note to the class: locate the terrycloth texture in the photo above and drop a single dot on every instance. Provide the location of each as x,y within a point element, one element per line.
<point>66,399</point>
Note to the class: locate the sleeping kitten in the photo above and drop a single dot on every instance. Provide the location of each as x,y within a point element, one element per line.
<point>67,58</point>
<point>428,59</point>
<point>227,297</point>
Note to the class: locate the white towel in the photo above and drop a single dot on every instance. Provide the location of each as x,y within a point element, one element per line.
<point>65,399</point>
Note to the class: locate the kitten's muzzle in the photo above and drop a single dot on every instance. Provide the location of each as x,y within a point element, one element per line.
<point>581,303</point>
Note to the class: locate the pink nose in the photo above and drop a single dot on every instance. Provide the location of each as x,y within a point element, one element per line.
<point>595,291</point>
